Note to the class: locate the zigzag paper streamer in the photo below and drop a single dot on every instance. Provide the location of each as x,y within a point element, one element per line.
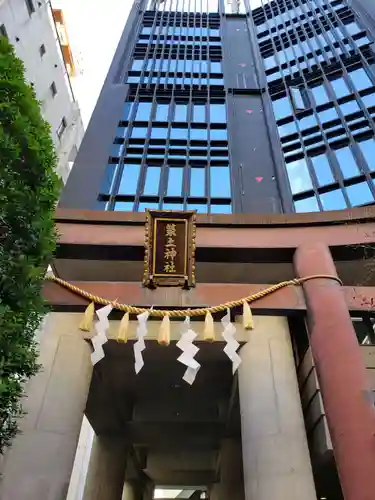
<point>140,345</point>
<point>100,338</point>
<point>189,350</point>
<point>232,344</point>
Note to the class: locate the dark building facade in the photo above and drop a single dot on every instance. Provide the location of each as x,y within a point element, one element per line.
<point>214,106</point>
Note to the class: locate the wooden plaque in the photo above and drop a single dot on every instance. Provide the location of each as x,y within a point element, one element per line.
<point>169,249</point>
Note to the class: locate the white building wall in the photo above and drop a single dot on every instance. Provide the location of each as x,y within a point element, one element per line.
<point>28,33</point>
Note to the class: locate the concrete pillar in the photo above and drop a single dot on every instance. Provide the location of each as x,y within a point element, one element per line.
<point>39,464</point>
<point>276,459</point>
<point>106,470</point>
<point>342,375</point>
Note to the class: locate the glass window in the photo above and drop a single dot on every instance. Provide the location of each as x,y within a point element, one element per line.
<point>137,65</point>
<point>360,79</point>
<point>216,67</point>
<point>217,113</point>
<point>299,177</point>
<point>204,67</point>
<point>220,182</point>
<point>368,151</point>
<point>152,181</point>
<point>296,95</point>
<point>146,30</point>
<point>287,129</point>
<point>116,150</point>
<point>121,131</point>
<point>347,163</point>
<point>359,194</point>
<point>352,28</point>
<point>188,66</point>
<point>124,206</point>
<point>197,181</point>
<point>161,114</point>
<point>126,111</point>
<point>139,132</point>
<point>180,114</point>
<point>175,177</point>
<point>201,209</point>
<point>218,134</point>
<point>306,205</point>
<point>159,133</point>
<point>221,209</point>
<point>179,133</point>
<point>307,122</point>
<point>151,206</point>
<point>198,134</point>
<point>349,107</point>
<point>320,94</point>
<point>323,170</point>
<point>328,115</point>
<point>129,179</point>
<point>199,113</point>
<point>340,88</point>
<point>173,206</point>
<point>369,100</point>
<point>282,108</point>
<point>143,111</point>
<point>334,200</point>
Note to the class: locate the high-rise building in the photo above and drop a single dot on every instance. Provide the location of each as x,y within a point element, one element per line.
<point>213,107</point>
<point>31,28</point>
<point>246,113</point>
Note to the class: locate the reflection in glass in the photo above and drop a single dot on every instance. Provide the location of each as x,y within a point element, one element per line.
<point>159,133</point>
<point>175,176</point>
<point>139,133</point>
<point>180,114</point>
<point>129,179</point>
<point>151,206</point>
<point>218,134</point>
<point>328,115</point>
<point>360,79</point>
<point>179,133</point>
<point>137,65</point>
<point>298,175</point>
<point>306,205</point>
<point>143,111</point>
<point>162,112</point>
<point>124,206</point>
<point>359,194</point>
<point>323,170</point>
<point>201,209</point>
<point>347,163</point>
<point>221,209</point>
<point>368,151</point>
<point>369,100</point>
<point>320,94</point>
<point>349,107</point>
<point>340,88</point>
<point>173,206</point>
<point>198,134</point>
<point>197,181</point>
<point>220,182</point>
<point>199,113</point>
<point>333,200</point>
<point>282,108</point>
<point>307,122</point>
<point>152,181</point>
<point>287,129</point>
<point>217,113</point>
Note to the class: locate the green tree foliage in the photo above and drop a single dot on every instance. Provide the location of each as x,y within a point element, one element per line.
<point>29,191</point>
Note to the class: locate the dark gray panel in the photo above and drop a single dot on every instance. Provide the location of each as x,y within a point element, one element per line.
<point>238,58</point>
<point>251,156</point>
<point>83,184</point>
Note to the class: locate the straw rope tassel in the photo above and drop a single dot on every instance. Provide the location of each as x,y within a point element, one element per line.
<point>122,334</point>
<point>247,317</point>
<point>164,336</point>
<point>209,332</point>
<point>88,319</point>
